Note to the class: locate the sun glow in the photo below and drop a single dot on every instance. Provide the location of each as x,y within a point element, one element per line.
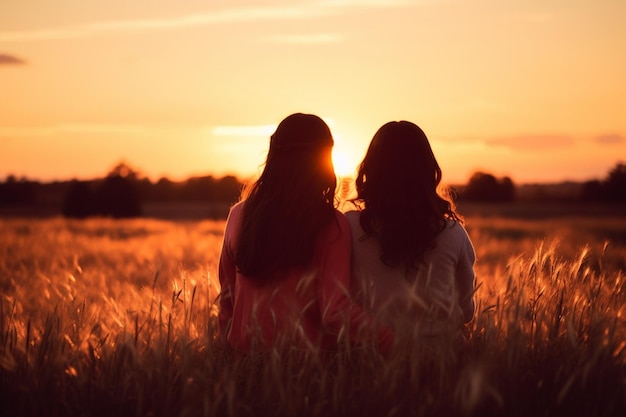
<point>178,112</point>
<point>343,166</point>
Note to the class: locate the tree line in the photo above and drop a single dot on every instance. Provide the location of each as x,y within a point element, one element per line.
<point>124,193</point>
<point>485,187</point>
<point>121,193</point>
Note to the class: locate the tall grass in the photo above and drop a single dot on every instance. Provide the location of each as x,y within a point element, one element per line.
<point>108,318</point>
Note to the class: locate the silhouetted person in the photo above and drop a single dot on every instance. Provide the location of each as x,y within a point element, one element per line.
<point>413,261</point>
<point>285,262</point>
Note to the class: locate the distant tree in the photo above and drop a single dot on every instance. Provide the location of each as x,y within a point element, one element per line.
<point>616,183</point>
<point>228,189</point>
<point>18,191</point>
<point>612,189</point>
<point>485,187</point>
<point>122,169</point>
<point>118,194</point>
<point>224,190</point>
<point>117,197</point>
<point>507,189</point>
<point>145,189</point>
<point>198,189</point>
<point>165,190</point>
<point>593,191</point>
<point>79,201</point>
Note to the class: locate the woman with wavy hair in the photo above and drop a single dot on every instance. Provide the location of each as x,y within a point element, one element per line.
<point>285,263</point>
<point>413,262</point>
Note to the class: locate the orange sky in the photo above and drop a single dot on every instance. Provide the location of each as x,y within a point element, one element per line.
<point>531,89</point>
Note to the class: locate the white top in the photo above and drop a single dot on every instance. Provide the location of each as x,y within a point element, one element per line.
<point>435,297</point>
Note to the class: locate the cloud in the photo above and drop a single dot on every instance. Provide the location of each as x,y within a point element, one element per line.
<point>310,39</point>
<point>235,15</point>
<point>6,59</point>
<point>214,17</point>
<point>258,130</point>
<point>532,142</point>
<point>610,139</point>
<point>73,128</point>
<point>374,3</point>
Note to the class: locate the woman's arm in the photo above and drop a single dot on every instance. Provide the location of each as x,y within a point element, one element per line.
<point>227,271</point>
<point>339,313</point>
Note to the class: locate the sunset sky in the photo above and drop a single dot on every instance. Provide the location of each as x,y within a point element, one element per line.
<point>532,89</point>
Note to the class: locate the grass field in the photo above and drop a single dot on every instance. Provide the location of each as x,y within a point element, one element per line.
<point>103,317</point>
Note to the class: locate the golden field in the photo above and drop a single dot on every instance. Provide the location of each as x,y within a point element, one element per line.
<point>101,317</point>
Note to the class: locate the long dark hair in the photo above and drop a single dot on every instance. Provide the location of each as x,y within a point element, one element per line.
<point>291,202</point>
<point>398,183</point>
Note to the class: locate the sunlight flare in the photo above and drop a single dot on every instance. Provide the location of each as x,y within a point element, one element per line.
<point>342,164</point>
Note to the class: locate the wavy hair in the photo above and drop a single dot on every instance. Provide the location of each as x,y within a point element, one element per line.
<point>398,186</point>
<point>292,201</point>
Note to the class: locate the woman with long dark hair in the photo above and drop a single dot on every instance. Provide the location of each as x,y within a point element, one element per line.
<point>285,262</point>
<point>413,261</point>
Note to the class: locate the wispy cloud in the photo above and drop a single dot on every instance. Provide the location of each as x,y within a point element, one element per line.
<point>239,131</point>
<point>610,139</point>
<point>307,39</point>
<point>532,142</point>
<point>214,17</point>
<point>377,3</point>
<point>235,15</point>
<point>73,128</point>
<point>209,18</point>
<point>6,59</point>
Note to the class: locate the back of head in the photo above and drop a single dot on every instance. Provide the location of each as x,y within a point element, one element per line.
<point>292,201</point>
<point>398,183</point>
<point>300,155</point>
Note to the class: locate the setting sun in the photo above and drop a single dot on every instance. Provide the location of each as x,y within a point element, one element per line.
<point>534,90</point>
<point>169,247</point>
<point>343,166</point>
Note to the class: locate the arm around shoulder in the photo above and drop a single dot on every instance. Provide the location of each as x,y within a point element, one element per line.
<point>339,312</point>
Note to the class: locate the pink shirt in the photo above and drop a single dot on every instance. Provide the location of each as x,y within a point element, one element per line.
<point>306,307</point>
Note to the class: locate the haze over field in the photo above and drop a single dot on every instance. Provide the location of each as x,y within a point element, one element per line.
<point>533,90</point>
